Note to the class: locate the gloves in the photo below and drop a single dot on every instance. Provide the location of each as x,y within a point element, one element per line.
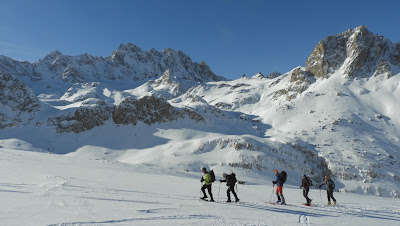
<point>220,181</point>
<point>202,179</point>
<point>274,182</point>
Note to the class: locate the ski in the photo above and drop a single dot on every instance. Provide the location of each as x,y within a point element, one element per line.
<point>206,200</point>
<point>278,204</point>
<point>308,204</point>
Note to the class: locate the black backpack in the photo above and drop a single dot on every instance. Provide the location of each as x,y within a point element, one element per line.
<point>231,179</point>
<point>212,176</point>
<point>330,185</point>
<point>283,176</point>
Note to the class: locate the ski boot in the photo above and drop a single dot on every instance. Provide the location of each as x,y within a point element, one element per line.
<point>204,198</point>
<point>237,200</point>
<point>212,200</point>
<point>328,204</point>
<point>283,203</point>
<point>334,203</point>
<point>279,201</point>
<point>228,200</point>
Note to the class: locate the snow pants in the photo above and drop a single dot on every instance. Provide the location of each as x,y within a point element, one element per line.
<point>228,192</point>
<point>305,194</point>
<point>279,193</point>
<point>208,187</point>
<point>330,195</point>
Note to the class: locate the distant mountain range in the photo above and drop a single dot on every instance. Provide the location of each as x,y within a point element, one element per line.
<point>338,115</point>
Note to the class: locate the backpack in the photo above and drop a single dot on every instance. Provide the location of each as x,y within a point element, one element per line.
<point>231,179</point>
<point>309,181</point>
<point>283,176</point>
<point>212,176</point>
<point>330,185</point>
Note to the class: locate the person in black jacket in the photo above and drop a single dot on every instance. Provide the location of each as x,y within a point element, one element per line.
<point>230,182</point>
<point>330,186</point>
<point>305,184</point>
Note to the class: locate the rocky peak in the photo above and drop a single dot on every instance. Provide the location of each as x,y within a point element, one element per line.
<point>258,76</point>
<point>274,75</point>
<point>356,52</point>
<point>128,62</point>
<point>53,55</point>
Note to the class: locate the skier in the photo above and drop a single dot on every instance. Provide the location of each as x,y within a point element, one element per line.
<point>230,182</point>
<point>305,184</point>
<point>330,186</point>
<point>279,185</point>
<point>207,185</point>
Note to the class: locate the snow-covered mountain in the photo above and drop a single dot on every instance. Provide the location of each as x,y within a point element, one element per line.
<point>338,115</point>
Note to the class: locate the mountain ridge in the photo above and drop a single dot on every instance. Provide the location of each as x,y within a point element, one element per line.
<point>335,116</point>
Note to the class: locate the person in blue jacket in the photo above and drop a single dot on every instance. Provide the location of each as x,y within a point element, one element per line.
<point>279,188</point>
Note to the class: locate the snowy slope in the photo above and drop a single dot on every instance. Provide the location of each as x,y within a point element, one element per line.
<point>44,189</point>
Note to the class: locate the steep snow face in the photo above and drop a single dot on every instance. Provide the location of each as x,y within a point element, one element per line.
<point>357,53</point>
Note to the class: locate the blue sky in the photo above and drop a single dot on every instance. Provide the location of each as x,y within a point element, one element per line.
<point>232,37</point>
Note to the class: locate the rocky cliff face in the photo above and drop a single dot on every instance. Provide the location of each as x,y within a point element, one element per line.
<point>149,110</point>
<point>17,100</point>
<point>356,52</point>
<point>86,117</point>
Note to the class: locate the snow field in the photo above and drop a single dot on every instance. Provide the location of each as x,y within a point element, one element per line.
<point>47,189</point>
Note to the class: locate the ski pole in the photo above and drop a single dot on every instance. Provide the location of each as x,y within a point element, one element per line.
<point>270,200</point>
<point>300,195</point>
<point>201,186</point>
<point>320,196</point>
<point>219,189</point>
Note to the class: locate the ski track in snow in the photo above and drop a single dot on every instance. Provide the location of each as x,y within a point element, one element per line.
<point>161,218</point>
<point>16,188</point>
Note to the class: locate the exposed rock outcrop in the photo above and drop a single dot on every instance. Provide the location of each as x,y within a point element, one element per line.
<point>300,80</point>
<point>149,110</point>
<point>86,117</point>
<point>17,101</point>
<point>356,52</point>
